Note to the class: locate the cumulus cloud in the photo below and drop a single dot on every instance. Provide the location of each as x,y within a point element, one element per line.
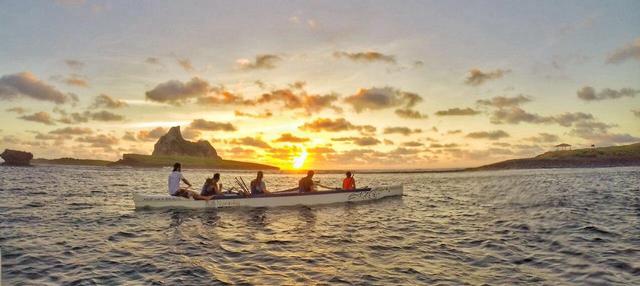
<point>73,118</point>
<point>457,112</point>
<point>106,142</point>
<point>381,98</point>
<point>41,117</point>
<point>504,101</point>
<point>105,101</point>
<point>18,110</point>
<point>129,136</point>
<point>588,93</point>
<point>105,116</point>
<point>366,57</point>
<point>72,131</point>
<point>406,131</point>
<point>176,92</point>
<point>310,103</point>
<point>221,96</point>
<point>264,61</point>
<point>151,135</point>
<point>412,144</point>
<point>491,135</point>
<point>239,152</point>
<point>201,124</point>
<point>508,111</point>
<point>288,137</point>
<point>598,132</point>
<point>516,115</point>
<point>477,77</point>
<point>298,85</point>
<point>190,133</point>
<point>330,125</point>
<point>250,141</point>
<point>74,64</point>
<point>83,117</point>
<point>265,114</point>
<point>447,145</point>
<point>568,118</point>
<point>186,64</point>
<point>152,61</point>
<point>628,52</point>
<point>76,80</point>
<point>25,84</point>
<point>10,139</point>
<point>360,141</point>
<point>59,138</point>
<point>543,138</point>
<point>410,114</point>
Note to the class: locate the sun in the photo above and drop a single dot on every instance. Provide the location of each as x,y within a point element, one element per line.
<point>298,162</point>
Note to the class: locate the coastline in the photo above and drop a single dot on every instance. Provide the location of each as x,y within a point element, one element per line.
<point>603,157</point>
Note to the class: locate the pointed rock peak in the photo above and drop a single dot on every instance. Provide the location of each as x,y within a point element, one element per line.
<point>174,132</point>
<point>173,144</point>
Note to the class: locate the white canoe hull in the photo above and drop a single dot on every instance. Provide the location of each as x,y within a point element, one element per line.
<point>276,200</point>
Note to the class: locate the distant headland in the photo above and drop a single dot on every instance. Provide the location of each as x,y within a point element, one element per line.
<point>170,148</point>
<point>612,156</point>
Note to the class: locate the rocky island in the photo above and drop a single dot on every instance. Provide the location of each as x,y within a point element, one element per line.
<point>172,147</point>
<point>16,158</point>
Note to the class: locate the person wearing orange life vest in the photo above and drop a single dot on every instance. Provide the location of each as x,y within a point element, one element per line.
<point>349,183</point>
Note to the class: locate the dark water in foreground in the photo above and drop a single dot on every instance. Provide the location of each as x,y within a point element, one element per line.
<point>77,226</point>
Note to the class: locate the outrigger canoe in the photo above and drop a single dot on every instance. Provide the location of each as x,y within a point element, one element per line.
<point>291,198</point>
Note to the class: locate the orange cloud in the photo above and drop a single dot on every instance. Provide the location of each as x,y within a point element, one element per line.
<point>288,137</point>
<point>337,125</point>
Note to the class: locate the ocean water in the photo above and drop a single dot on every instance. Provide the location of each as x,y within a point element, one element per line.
<point>77,226</point>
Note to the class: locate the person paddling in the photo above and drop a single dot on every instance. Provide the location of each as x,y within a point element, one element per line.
<point>258,187</point>
<point>174,185</point>
<point>211,186</point>
<point>306,184</point>
<point>349,183</point>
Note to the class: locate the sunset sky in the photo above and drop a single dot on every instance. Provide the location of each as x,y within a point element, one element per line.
<point>363,85</point>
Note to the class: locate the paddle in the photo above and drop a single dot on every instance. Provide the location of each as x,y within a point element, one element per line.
<point>287,190</point>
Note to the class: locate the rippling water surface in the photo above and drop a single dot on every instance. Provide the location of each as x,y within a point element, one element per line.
<point>78,226</point>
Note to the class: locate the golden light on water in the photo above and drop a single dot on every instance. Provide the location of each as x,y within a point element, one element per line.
<point>298,162</point>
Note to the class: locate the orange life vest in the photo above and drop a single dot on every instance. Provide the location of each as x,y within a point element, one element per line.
<point>348,183</point>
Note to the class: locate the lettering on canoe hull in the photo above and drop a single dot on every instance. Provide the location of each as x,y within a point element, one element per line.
<point>366,195</point>
<point>226,203</point>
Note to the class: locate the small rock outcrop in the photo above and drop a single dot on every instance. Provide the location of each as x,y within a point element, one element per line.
<point>172,144</point>
<point>16,158</point>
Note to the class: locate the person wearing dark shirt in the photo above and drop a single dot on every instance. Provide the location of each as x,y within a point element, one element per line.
<point>306,184</point>
<point>211,186</point>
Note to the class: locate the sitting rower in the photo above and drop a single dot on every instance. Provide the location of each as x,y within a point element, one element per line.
<point>212,187</point>
<point>174,185</point>
<point>258,187</point>
<point>306,184</point>
<point>349,183</point>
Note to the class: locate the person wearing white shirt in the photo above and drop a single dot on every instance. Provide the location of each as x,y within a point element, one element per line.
<point>174,185</point>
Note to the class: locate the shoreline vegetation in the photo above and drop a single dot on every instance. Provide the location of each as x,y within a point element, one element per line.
<point>611,156</point>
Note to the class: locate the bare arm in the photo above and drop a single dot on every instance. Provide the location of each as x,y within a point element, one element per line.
<point>319,185</point>
<point>186,182</point>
